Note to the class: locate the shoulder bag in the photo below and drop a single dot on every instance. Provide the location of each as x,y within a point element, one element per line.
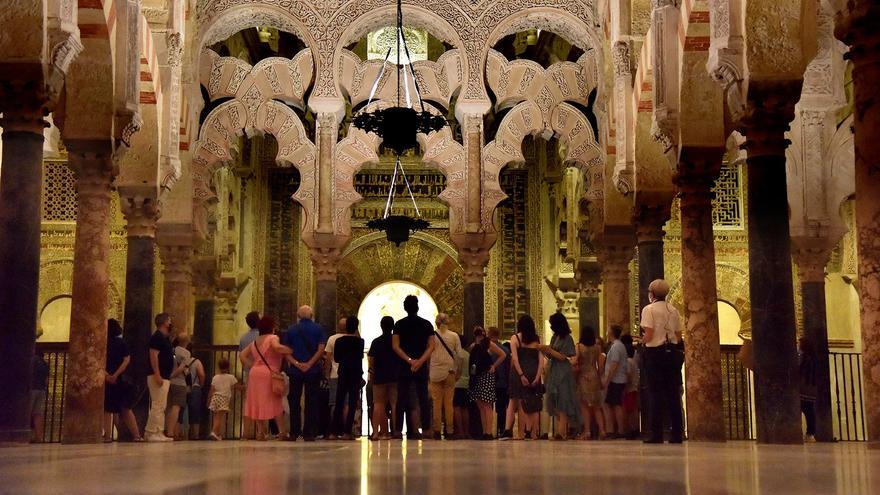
<point>277,376</point>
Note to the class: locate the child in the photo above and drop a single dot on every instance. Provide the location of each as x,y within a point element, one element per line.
<point>219,397</point>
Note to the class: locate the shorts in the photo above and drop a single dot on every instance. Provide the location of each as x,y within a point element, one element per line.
<point>177,395</point>
<point>385,393</point>
<point>461,398</point>
<point>614,395</point>
<point>631,401</point>
<point>219,403</point>
<point>38,402</point>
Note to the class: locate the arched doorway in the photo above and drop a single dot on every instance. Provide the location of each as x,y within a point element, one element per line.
<point>386,299</point>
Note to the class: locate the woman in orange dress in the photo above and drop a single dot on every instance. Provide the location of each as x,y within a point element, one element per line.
<point>263,357</point>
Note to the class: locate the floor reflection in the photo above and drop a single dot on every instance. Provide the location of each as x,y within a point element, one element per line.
<point>432,468</point>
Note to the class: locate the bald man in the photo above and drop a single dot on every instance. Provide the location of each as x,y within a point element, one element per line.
<point>307,340</point>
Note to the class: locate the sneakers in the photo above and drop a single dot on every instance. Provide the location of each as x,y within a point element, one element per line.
<point>506,435</point>
<point>158,437</point>
<point>213,436</point>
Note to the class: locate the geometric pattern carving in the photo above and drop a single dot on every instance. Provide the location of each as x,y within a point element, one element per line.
<point>727,204</point>
<point>513,282</point>
<point>59,193</point>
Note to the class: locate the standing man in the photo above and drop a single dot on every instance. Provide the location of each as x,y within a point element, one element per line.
<point>412,342</point>
<point>307,340</point>
<point>614,382</point>
<point>161,367</point>
<point>247,339</point>
<point>663,361</point>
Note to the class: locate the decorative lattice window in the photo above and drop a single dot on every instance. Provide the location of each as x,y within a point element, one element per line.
<point>727,207</point>
<point>59,193</point>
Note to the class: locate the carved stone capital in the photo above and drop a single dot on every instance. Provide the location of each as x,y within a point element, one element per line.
<point>93,163</point>
<point>325,251</point>
<point>725,69</point>
<point>141,214</point>
<point>649,220</point>
<point>857,26</point>
<point>588,276</point>
<point>615,251</point>
<point>174,45</point>
<point>624,179</point>
<point>621,59</point>
<point>473,253</point>
<point>177,262</point>
<point>769,111</point>
<point>66,46</point>
<point>698,168</point>
<point>811,257</point>
<point>23,103</point>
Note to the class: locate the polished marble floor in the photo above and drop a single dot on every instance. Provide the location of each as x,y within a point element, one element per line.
<point>439,468</point>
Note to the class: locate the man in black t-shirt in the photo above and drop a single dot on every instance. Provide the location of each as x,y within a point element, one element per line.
<point>161,367</point>
<point>412,342</point>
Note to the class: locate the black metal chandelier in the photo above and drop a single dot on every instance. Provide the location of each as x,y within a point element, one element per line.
<point>398,127</point>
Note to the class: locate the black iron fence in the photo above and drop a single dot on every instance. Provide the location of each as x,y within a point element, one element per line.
<point>737,382</point>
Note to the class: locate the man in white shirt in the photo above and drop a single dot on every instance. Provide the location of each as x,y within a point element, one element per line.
<point>662,336</point>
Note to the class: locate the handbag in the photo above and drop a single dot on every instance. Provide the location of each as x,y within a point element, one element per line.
<point>278,384</point>
<point>534,400</point>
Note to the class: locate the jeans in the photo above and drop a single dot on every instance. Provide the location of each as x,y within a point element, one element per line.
<point>663,374</point>
<point>348,392</point>
<point>441,396</point>
<point>419,381</point>
<point>158,400</point>
<point>310,384</point>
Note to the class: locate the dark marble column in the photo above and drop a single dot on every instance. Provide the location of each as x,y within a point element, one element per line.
<point>859,27</point>
<point>777,402</point>
<point>84,390</point>
<point>589,278</point>
<point>140,213</point>
<point>811,273</point>
<point>474,306</point>
<point>175,246</point>
<point>20,193</point>
<point>698,168</point>
<point>615,253</point>
<point>325,304</point>
<point>649,221</point>
<point>473,254</point>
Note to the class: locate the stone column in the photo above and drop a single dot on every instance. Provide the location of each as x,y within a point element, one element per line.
<point>84,391</point>
<point>777,403</point>
<point>325,262</point>
<point>141,213</point>
<point>697,171</point>
<point>649,221</point>
<point>589,277</point>
<point>473,254</point>
<point>811,261</point>
<point>20,193</point>
<point>615,253</point>
<point>858,27</point>
<point>177,298</point>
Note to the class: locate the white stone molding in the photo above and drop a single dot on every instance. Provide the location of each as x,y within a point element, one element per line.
<point>726,53</point>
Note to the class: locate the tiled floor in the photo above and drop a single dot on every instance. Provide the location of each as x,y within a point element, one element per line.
<point>436,468</point>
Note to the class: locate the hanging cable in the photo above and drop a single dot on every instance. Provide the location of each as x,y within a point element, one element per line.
<point>408,189</point>
<point>378,79</point>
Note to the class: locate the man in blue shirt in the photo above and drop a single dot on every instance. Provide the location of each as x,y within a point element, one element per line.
<point>307,340</point>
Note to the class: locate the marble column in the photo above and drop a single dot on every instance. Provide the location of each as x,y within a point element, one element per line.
<point>811,273</point>
<point>141,213</point>
<point>777,402</point>
<point>649,221</point>
<point>325,262</point>
<point>20,193</point>
<point>473,254</point>
<point>589,277</point>
<point>84,390</point>
<point>177,297</point>
<point>858,27</point>
<point>615,253</point>
<point>698,168</point>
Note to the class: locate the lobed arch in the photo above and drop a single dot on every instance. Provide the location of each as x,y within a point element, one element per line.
<point>276,78</point>
<point>233,119</point>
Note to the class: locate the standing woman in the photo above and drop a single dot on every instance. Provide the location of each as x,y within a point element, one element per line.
<point>525,377</point>
<point>589,385</point>
<point>483,377</point>
<point>264,357</point>
<point>195,402</point>
<point>116,392</point>
<point>561,401</point>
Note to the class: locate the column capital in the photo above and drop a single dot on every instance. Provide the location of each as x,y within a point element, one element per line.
<point>176,247</point>
<point>769,111</point>
<point>649,220</point>
<point>856,25</point>
<point>811,255</point>
<point>615,251</point>
<point>698,169</point>
<point>141,213</point>
<point>325,251</point>
<point>473,253</point>
<point>92,162</point>
<point>23,99</point>
<point>588,275</point>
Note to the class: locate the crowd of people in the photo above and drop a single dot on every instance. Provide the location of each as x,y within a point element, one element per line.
<point>422,381</point>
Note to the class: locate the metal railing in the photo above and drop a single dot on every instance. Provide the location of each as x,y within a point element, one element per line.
<point>737,381</point>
